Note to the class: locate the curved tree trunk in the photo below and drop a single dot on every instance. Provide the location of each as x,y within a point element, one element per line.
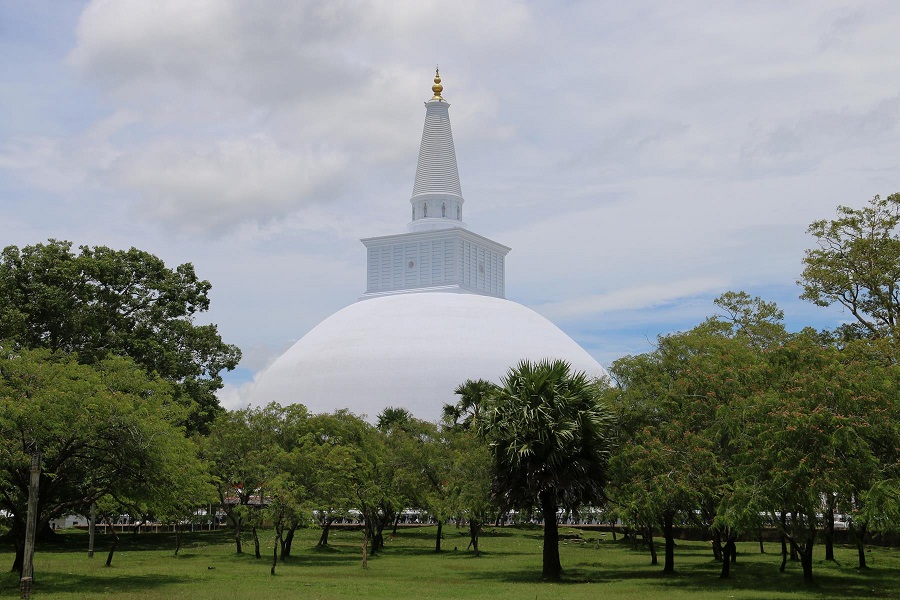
<point>237,522</point>
<point>648,539</point>
<point>115,544</point>
<point>326,528</point>
<point>19,559</point>
<point>552,569</point>
<point>287,543</point>
<point>256,542</point>
<point>717,544</point>
<point>474,531</point>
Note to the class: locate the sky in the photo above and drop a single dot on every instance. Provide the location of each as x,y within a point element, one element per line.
<point>640,158</point>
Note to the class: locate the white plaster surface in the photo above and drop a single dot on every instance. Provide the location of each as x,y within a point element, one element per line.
<point>411,351</point>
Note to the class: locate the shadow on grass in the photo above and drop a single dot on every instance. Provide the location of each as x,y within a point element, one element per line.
<point>59,583</point>
<point>830,580</point>
<point>66,542</point>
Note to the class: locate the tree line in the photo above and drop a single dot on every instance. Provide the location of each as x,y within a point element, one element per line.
<point>734,425</point>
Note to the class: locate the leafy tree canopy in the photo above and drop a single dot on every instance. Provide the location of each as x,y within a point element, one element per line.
<point>550,442</point>
<point>857,265</point>
<point>98,302</point>
<point>101,429</point>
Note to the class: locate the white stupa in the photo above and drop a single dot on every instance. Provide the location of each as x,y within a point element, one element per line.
<point>433,314</point>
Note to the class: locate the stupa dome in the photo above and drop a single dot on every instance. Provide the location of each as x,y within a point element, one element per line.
<point>433,315</point>
<point>412,351</point>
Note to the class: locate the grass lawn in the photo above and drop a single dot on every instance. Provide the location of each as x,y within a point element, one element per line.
<point>145,568</point>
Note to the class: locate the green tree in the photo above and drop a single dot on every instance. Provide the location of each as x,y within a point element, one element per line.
<point>467,485</point>
<point>335,457</point>
<point>239,451</point>
<point>550,440</point>
<point>870,493</point>
<point>804,438</point>
<point>101,429</point>
<point>857,265</point>
<point>674,460</point>
<point>100,302</point>
<point>472,396</point>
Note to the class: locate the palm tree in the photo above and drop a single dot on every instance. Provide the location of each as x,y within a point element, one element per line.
<point>393,418</point>
<point>472,395</point>
<point>550,441</point>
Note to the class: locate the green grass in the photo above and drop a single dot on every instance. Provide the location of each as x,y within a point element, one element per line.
<point>145,568</point>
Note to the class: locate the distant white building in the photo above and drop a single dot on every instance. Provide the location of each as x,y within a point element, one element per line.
<point>433,315</point>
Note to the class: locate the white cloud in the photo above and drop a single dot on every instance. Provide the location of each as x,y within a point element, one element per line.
<point>634,299</point>
<point>204,184</point>
<point>638,157</point>
<point>232,397</point>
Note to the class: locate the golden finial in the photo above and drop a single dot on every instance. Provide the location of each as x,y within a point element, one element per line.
<point>437,88</point>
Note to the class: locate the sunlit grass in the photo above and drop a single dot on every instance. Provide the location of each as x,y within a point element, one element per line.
<point>145,567</point>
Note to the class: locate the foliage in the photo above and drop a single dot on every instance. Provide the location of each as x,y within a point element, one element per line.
<point>101,429</point>
<point>473,394</point>
<point>550,440</point>
<point>857,265</point>
<point>100,302</point>
<point>673,460</point>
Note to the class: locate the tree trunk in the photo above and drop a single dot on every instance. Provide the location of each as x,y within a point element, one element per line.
<point>730,550</point>
<point>717,545</point>
<point>177,538</point>
<point>437,539</point>
<point>326,528</point>
<point>784,553</point>
<point>378,539</point>
<point>794,554</point>
<point>860,535</point>
<point>115,544</point>
<point>396,521</point>
<point>806,558</point>
<point>256,542</point>
<point>287,543</point>
<point>648,539</point>
<point>278,542</point>
<point>474,531</point>
<point>759,533</point>
<point>726,559</point>
<point>365,547</point>
<point>237,531</point>
<point>552,568</point>
<point>92,529</point>
<point>784,544</point>
<point>669,536</point>
<point>829,527</point>
<point>17,533</point>
<point>371,529</point>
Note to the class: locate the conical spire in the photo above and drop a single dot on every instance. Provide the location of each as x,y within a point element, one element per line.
<point>437,198</point>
